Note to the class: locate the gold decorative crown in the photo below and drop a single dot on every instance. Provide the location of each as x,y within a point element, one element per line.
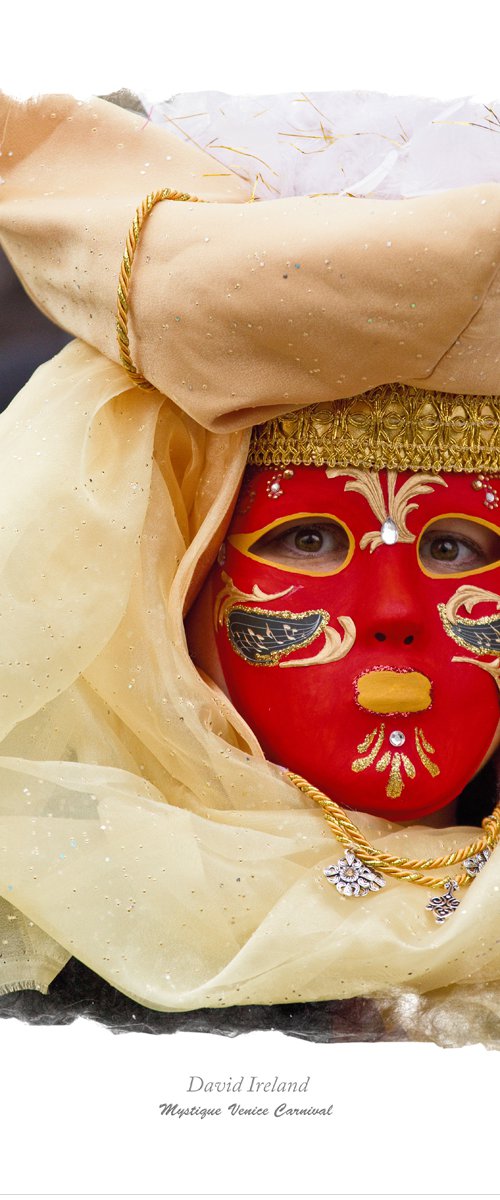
<point>395,426</point>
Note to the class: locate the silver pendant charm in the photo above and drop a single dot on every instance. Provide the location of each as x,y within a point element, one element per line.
<point>443,906</point>
<point>476,862</point>
<point>352,877</point>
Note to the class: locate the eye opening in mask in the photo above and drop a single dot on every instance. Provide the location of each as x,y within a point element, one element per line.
<point>458,544</point>
<point>328,549</point>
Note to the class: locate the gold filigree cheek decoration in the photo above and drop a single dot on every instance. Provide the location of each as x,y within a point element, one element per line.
<point>478,635</point>
<point>265,637</point>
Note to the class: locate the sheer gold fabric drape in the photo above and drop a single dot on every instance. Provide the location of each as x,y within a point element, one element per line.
<point>140,827</point>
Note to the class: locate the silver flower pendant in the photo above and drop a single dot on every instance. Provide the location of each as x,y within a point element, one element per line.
<point>352,877</point>
<point>476,862</point>
<point>443,906</point>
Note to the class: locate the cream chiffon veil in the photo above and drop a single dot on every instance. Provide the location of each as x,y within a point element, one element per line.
<point>141,828</point>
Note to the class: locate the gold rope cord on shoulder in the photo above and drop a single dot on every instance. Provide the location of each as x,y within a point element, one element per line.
<point>141,215</point>
<point>413,870</point>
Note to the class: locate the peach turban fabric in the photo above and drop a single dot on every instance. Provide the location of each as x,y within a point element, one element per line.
<point>297,300</point>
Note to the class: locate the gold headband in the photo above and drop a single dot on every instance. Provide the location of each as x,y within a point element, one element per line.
<point>395,426</point>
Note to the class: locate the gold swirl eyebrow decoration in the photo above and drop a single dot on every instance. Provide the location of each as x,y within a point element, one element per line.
<point>395,512</point>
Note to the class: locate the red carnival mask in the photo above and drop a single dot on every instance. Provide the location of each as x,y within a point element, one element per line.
<point>357,628</point>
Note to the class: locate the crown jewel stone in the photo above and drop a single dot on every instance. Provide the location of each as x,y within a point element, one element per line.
<point>389,532</point>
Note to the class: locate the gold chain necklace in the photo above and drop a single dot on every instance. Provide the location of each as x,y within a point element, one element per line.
<point>363,868</point>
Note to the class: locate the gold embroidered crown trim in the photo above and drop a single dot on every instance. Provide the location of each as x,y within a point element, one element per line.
<point>395,426</point>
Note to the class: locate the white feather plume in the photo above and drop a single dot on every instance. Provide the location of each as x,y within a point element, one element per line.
<point>362,143</point>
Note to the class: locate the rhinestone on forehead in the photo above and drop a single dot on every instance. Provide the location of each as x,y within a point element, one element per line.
<point>273,486</point>
<point>389,532</point>
<point>490,495</point>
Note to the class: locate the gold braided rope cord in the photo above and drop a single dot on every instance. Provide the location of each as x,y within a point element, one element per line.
<point>141,215</point>
<point>413,870</point>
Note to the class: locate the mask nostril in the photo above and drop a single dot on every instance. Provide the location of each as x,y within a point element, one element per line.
<point>408,640</point>
<point>380,637</point>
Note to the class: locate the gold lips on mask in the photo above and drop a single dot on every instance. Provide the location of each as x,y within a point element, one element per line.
<point>386,691</point>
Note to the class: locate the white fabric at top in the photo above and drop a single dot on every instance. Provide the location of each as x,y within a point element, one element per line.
<point>363,143</point>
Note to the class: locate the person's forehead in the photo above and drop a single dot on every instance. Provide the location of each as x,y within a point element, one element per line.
<point>272,493</point>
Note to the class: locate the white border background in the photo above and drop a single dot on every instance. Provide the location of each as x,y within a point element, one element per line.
<point>431,47</point>
<point>79,1107</point>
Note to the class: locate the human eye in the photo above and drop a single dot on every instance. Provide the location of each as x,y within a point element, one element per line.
<point>315,544</point>
<point>454,545</point>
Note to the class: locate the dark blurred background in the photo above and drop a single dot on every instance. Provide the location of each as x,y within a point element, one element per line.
<point>27,338</point>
